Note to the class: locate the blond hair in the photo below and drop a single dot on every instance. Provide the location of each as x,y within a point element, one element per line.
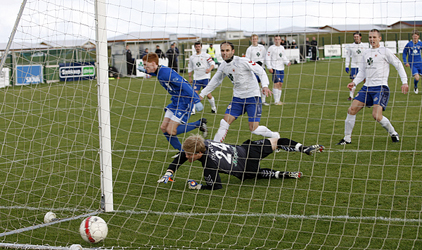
<point>194,144</point>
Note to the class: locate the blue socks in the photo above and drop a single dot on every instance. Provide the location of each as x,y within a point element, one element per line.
<point>183,128</point>
<point>415,83</point>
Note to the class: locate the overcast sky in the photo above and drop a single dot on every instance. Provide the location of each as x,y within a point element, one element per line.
<point>48,20</point>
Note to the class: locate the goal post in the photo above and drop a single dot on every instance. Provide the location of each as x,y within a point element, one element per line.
<point>104,106</point>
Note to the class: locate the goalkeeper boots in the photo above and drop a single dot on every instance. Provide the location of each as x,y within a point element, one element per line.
<point>313,149</point>
<point>203,127</point>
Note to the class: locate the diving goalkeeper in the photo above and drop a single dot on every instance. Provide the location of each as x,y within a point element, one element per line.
<point>241,161</point>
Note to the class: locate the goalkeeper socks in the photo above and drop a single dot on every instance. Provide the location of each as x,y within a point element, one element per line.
<point>212,103</point>
<point>222,131</point>
<point>184,128</point>
<point>264,131</point>
<point>415,82</point>
<point>289,145</point>
<point>385,123</point>
<point>349,123</point>
<point>174,141</point>
<point>267,173</point>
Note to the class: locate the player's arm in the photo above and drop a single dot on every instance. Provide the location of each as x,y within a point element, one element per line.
<point>405,52</point>
<point>216,80</point>
<point>248,53</point>
<point>190,69</point>
<point>268,60</point>
<point>177,162</point>
<point>286,60</point>
<point>211,64</point>
<point>257,69</point>
<point>392,59</point>
<point>211,176</point>
<point>361,74</point>
<point>347,63</point>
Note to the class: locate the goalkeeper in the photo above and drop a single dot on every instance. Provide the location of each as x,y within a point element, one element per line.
<point>183,98</point>
<point>240,161</point>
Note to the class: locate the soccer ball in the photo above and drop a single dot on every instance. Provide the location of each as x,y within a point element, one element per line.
<point>93,229</point>
<point>49,217</point>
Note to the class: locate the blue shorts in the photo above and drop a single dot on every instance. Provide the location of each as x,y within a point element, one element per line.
<point>251,105</point>
<point>278,75</point>
<point>416,68</point>
<point>374,95</point>
<point>353,73</point>
<point>181,112</point>
<point>198,84</point>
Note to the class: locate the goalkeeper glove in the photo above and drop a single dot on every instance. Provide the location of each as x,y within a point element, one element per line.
<point>168,176</point>
<point>194,185</point>
<point>142,69</point>
<point>199,106</point>
<point>347,70</point>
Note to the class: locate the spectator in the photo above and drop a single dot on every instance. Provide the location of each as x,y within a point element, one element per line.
<point>172,55</point>
<point>129,61</point>
<point>159,52</point>
<point>314,45</point>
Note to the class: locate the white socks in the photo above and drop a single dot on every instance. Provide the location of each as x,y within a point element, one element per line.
<point>385,123</point>
<point>263,98</point>
<point>277,95</point>
<point>264,131</point>
<point>349,123</point>
<point>222,131</point>
<point>212,103</point>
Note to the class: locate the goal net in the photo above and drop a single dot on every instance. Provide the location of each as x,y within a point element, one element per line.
<point>56,102</point>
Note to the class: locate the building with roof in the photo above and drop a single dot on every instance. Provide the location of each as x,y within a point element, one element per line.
<point>406,25</point>
<point>353,27</point>
<point>230,34</point>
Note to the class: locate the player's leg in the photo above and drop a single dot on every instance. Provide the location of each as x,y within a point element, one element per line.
<point>416,71</point>
<point>353,73</point>
<point>211,100</point>
<point>166,126</point>
<point>293,146</point>
<point>195,88</point>
<point>224,127</point>
<point>234,110</point>
<point>381,98</point>
<point>267,173</point>
<point>349,123</point>
<point>278,76</point>
<point>253,107</point>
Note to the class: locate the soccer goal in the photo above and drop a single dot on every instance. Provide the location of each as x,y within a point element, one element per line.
<point>81,129</point>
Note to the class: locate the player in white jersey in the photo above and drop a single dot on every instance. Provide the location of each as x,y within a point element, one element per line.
<point>246,92</point>
<point>354,51</point>
<point>375,68</point>
<point>201,64</point>
<point>256,52</point>
<point>276,59</point>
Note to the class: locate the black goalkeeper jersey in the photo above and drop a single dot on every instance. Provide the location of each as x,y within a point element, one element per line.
<point>228,159</point>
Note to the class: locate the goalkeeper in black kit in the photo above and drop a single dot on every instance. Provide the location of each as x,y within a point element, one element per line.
<point>240,161</point>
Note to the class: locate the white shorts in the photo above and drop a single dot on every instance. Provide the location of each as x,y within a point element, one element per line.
<point>170,114</point>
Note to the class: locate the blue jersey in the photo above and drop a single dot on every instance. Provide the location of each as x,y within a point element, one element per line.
<point>412,52</point>
<point>180,90</point>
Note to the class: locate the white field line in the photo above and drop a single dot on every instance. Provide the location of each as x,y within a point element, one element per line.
<point>183,214</point>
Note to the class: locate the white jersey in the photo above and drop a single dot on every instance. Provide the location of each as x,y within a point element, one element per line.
<point>375,67</point>
<point>241,73</point>
<point>355,51</point>
<point>198,64</point>
<point>256,53</point>
<point>276,57</point>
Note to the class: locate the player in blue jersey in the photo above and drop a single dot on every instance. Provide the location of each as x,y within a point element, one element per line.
<point>412,58</point>
<point>182,100</point>
<point>241,161</point>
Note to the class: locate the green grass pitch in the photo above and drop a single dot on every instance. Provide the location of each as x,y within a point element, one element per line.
<point>366,195</point>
